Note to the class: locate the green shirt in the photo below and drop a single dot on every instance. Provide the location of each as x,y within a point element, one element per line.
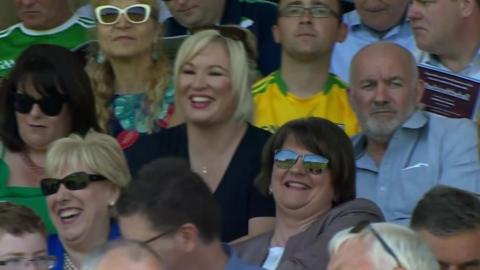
<point>73,34</point>
<point>29,196</point>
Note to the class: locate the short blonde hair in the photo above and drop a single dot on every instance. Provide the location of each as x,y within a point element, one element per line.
<point>99,152</point>
<point>242,69</point>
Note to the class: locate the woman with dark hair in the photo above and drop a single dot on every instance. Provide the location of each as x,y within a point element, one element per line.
<point>46,96</point>
<point>308,167</point>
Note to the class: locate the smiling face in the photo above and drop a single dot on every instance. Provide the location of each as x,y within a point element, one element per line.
<point>204,87</point>
<point>42,14</point>
<point>196,13</point>
<point>37,129</point>
<point>427,19</point>
<point>124,39</point>
<point>82,216</point>
<point>28,245</point>
<point>302,37</point>
<point>384,90</point>
<point>298,192</point>
<point>381,15</point>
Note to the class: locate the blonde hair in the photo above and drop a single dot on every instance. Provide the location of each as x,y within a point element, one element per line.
<point>99,152</point>
<point>242,68</point>
<point>103,78</point>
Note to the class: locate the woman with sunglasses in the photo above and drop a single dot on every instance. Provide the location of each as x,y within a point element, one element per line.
<point>47,96</point>
<point>130,76</point>
<point>309,168</point>
<point>212,76</point>
<point>85,176</point>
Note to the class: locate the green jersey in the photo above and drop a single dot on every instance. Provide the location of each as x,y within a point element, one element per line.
<point>73,34</point>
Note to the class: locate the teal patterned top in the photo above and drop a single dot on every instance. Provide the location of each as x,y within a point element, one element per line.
<point>131,113</point>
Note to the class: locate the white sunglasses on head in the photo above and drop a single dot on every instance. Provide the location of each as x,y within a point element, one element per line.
<point>108,14</point>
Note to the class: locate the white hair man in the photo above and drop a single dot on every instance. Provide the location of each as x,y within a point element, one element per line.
<point>379,246</point>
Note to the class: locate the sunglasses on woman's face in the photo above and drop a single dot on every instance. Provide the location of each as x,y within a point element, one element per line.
<point>108,14</point>
<point>50,105</point>
<point>74,181</point>
<point>312,163</point>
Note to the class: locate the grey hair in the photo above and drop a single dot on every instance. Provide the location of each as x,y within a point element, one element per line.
<point>412,252</point>
<point>134,250</point>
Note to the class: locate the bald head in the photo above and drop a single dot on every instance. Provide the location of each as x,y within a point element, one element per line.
<point>123,254</point>
<point>385,89</point>
<point>384,49</point>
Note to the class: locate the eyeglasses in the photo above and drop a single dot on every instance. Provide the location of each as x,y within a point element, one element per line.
<point>74,181</point>
<point>312,163</point>
<point>318,11</point>
<point>108,14</point>
<point>366,224</point>
<point>50,105</point>
<point>232,32</point>
<point>156,237</point>
<point>42,262</point>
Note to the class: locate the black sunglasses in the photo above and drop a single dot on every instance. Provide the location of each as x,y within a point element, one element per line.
<point>232,32</point>
<point>366,224</point>
<point>74,181</point>
<point>50,105</point>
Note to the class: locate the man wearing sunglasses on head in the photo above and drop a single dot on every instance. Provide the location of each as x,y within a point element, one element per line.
<point>307,31</point>
<point>448,219</point>
<point>379,246</point>
<point>256,15</point>
<point>43,21</point>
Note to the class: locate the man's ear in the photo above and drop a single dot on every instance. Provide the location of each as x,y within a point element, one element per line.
<point>467,7</point>
<point>419,90</point>
<point>275,34</point>
<point>342,32</point>
<point>188,237</point>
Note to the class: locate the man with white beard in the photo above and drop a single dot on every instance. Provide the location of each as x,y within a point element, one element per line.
<point>404,151</point>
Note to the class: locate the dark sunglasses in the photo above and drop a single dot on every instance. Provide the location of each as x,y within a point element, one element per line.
<point>312,163</point>
<point>74,181</point>
<point>109,14</point>
<point>50,105</point>
<point>366,224</point>
<point>232,32</point>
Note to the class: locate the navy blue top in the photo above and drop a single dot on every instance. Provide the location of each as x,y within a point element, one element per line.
<point>258,17</point>
<point>56,249</point>
<point>238,197</point>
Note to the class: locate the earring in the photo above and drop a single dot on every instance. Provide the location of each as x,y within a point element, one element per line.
<point>270,191</point>
<point>100,57</point>
<point>112,203</point>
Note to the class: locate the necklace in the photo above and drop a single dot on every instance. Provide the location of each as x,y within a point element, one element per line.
<point>204,170</point>
<point>67,263</point>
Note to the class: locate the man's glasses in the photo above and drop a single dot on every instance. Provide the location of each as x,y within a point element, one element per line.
<point>319,11</point>
<point>74,181</point>
<point>232,32</point>
<point>366,224</point>
<point>50,105</point>
<point>312,163</point>
<point>158,236</point>
<point>41,262</point>
<point>108,14</point>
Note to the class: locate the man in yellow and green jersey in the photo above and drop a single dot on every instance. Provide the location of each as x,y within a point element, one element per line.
<point>303,86</point>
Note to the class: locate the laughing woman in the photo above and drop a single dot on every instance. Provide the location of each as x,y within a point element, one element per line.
<point>85,176</point>
<point>130,75</point>
<point>309,168</point>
